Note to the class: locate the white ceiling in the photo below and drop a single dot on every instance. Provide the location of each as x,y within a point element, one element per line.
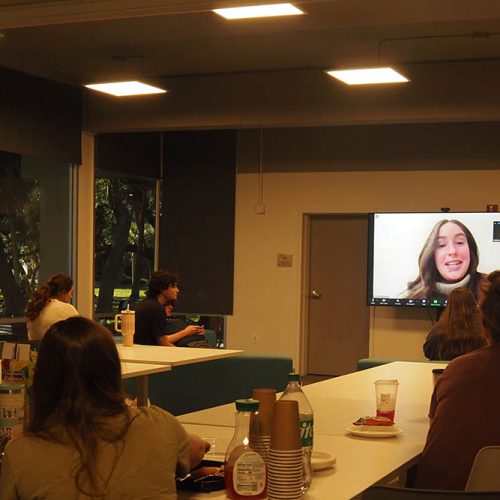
<point>93,40</point>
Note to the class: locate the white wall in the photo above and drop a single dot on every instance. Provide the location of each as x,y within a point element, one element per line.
<point>267,299</point>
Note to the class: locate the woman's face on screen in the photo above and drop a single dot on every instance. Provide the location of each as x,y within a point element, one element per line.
<point>452,254</point>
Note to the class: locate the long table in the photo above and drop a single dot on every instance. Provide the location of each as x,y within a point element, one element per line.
<point>142,370</point>
<point>361,462</point>
<point>173,356</point>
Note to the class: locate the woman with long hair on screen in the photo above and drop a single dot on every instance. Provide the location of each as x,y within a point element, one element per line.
<point>465,408</point>
<point>49,304</point>
<point>448,260</point>
<point>83,441</point>
<point>459,329</point>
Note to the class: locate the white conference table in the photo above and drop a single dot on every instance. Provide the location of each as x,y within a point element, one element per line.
<point>361,462</point>
<point>142,370</point>
<point>173,356</point>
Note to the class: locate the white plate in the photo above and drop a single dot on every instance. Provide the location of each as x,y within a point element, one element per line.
<point>322,460</point>
<point>374,431</point>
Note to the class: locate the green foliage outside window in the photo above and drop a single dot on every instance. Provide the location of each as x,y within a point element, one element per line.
<point>19,236</point>
<point>124,240</point>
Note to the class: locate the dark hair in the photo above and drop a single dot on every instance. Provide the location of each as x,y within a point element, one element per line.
<point>55,285</point>
<point>490,308</point>
<point>460,329</point>
<point>424,286</point>
<point>160,280</point>
<point>77,384</point>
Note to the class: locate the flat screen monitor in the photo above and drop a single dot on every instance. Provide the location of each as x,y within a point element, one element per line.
<point>417,259</point>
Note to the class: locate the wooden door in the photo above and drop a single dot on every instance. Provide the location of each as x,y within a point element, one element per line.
<point>338,320</point>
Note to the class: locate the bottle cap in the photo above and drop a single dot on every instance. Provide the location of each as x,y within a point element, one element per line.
<point>247,405</point>
<point>294,377</point>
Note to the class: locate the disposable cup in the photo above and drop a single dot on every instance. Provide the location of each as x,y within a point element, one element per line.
<point>285,433</point>
<point>266,397</point>
<point>386,392</point>
<point>436,373</point>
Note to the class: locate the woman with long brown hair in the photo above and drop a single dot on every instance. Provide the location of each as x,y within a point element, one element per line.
<point>465,408</point>
<point>49,304</point>
<point>449,259</point>
<point>83,441</point>
<point>458,330</point>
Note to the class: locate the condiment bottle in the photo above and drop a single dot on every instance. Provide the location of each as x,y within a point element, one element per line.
<point>245,470</point>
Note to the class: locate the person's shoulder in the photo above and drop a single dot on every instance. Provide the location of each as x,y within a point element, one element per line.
<point>471,358</point>
<point>18,447</point>
<point>147,303</point>
<point>59,309</point>
<point>59,304</point>
<point>154,417</point>
<point>154,413</point>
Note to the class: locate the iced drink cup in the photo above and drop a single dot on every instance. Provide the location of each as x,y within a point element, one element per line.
<point>436,373</point>
<point>386,392</point>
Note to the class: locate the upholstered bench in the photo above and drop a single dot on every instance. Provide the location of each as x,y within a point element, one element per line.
<point>198,386</point>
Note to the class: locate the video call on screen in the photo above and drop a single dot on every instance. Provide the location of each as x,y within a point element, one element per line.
<point>396,241</point>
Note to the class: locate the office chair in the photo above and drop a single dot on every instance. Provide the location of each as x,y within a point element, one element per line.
<point>485,472</point>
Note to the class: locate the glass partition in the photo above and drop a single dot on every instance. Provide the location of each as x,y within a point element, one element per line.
<point>35,231</point>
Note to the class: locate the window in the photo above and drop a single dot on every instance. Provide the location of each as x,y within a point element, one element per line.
<point>35,231</point>
<point>124,240</point>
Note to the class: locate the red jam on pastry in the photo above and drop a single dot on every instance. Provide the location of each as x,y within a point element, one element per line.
<point>374,421</point>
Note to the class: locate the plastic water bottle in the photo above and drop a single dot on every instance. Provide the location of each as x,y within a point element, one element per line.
<point>294,391</point>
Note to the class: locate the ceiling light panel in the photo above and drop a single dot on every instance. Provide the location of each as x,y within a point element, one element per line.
<point>368,76</point>
<point>254,11</point>
<point>121,89</point>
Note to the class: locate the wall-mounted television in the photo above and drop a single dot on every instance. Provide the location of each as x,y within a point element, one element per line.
<point>417,259</point>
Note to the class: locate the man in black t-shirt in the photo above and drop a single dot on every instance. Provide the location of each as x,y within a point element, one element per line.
<point>150,317</point>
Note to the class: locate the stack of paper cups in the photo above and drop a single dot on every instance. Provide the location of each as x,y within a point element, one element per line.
<point>285,466</point>
<point>261,437</point>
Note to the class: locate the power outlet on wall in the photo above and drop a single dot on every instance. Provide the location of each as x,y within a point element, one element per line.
<point>255,339</point>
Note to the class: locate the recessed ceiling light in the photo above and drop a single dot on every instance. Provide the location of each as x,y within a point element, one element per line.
<point>121,89</point>
<point>270,10</point>
<point>368,76</point>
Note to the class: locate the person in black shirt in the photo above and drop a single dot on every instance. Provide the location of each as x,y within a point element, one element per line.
<point>150,316</point>
<point>181,333</point>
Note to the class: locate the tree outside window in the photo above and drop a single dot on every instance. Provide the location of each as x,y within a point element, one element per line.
<point>35,230</point>
<point>124,240</point>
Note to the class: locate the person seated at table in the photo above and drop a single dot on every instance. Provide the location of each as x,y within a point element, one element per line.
<point>179,332</point>
<point>465,408</point>
<point>458,330</point>
<point>49,304</point>
<point>150,316</point>
<point>82,439</point>
<point>486,285</point>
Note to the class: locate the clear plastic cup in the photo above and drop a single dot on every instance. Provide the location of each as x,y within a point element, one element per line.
<point>386,392</point>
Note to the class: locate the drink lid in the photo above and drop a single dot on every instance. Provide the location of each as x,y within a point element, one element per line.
<point>387,382</point>
<point>247,405</point>
<point>293,377</point>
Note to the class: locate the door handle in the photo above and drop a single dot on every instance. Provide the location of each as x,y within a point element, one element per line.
<point>315,295</point>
